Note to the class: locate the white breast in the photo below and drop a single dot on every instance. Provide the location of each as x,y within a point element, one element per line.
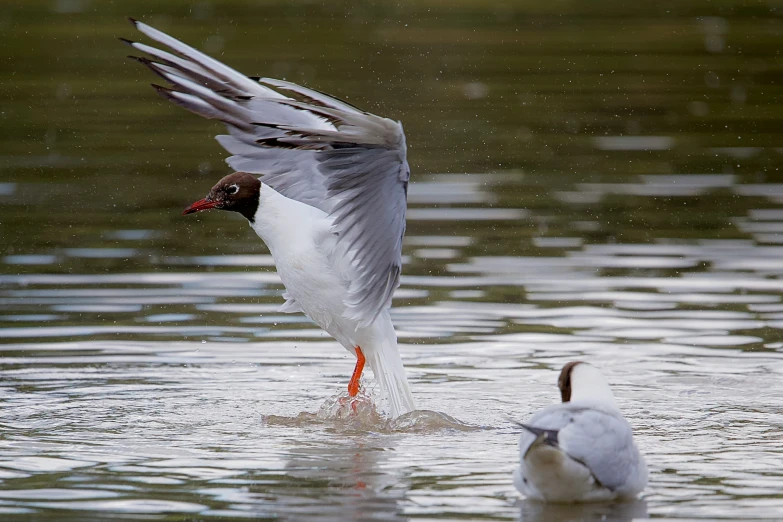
<point>301,242</point>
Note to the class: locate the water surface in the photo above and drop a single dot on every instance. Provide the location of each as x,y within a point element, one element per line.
<point>589,182</point>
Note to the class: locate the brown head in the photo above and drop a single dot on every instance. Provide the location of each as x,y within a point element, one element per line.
<point>564,381</point>
<point>237,192</point>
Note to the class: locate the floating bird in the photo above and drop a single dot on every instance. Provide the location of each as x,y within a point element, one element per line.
<point>322,183</point>
<point>581,450</point>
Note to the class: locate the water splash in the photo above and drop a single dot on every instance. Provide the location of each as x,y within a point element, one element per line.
<point>360,414</point>
<point>358,411</point>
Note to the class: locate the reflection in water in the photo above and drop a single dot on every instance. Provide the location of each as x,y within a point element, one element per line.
<point>532,511</point>
<point>346,479</point>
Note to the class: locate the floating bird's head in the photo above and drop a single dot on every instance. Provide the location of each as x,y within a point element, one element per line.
<point>583,383</point>
<point>237,192</point>
<point>564,380</point>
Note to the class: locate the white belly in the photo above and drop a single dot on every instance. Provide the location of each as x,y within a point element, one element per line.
<point>318,290</point>
<point>302,244</point>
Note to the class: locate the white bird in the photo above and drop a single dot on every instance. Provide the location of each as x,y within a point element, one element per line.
<point>322,183</point>
<point>581,450</point>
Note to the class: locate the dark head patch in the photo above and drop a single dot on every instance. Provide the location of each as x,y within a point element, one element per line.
<point>564,381</point>
<point>237,192</point>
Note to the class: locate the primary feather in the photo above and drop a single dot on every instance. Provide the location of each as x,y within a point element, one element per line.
<point>314,149</point>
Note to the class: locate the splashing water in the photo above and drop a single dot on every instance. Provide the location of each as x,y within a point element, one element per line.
<point>360,414</point>
<point>358,411</point>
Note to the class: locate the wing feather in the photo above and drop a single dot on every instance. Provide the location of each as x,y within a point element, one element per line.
<point>601,440</point>
<point>310,147</point>
<point>314,97</point>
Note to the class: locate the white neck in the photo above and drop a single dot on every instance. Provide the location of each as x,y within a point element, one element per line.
<point>588,385</point>
<point>282,222</point>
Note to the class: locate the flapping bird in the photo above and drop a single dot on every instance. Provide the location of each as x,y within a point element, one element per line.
<point>321,182</point>
<point>580,450</point>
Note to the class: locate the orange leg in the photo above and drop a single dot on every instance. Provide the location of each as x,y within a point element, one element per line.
<point>353,386</point>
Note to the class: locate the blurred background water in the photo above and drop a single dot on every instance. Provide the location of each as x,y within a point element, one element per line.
<point>594,181</point>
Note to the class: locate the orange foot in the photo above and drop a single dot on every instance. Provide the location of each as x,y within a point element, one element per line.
<point>353,385</point>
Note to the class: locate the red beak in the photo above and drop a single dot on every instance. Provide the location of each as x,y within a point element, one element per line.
<point>198,206</point>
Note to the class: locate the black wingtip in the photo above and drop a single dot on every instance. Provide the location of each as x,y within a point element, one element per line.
<point>133,21</point>
<point>546,436</point>
<point>532,429</point>
<point>141,59</point>
<point>144,61</point>
<point>126,41</point>
<point>164,92</point>
<point>152,66</point>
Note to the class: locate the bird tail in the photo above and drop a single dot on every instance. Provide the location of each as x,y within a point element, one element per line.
<point>384,359</point>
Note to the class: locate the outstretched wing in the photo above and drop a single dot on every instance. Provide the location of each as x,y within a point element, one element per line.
<point>310,147</point>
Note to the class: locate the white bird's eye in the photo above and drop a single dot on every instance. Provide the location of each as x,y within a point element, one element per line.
<point>233,189</point>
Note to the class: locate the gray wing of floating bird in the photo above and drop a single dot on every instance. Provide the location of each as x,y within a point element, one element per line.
<point>309,147</point>
<point>600,439</point>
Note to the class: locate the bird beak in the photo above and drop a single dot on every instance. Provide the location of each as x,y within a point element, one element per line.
<point>198,206</point>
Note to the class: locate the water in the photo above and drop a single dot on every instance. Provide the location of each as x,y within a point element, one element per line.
<point>595,182</point>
